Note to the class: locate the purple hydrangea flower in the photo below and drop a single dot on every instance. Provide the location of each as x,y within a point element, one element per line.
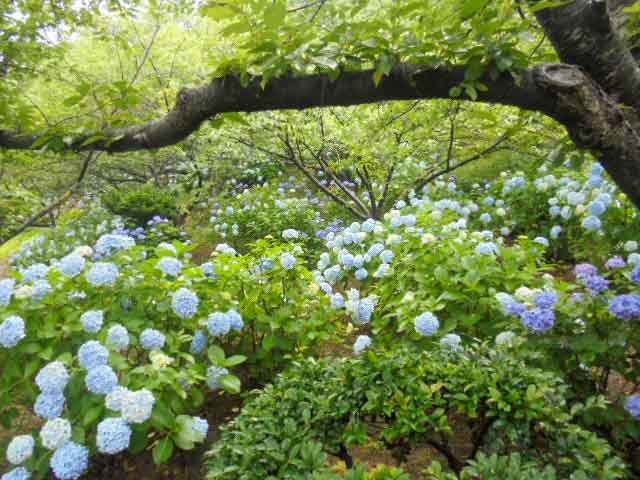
<point>625,306</point>
<point>538,320</point>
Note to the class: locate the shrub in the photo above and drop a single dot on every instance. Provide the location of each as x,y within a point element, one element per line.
<point>141,204</point>
<point>419,397</point>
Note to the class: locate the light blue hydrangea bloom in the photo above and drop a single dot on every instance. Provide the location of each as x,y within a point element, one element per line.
<point>485,218</point>
<point>41,288</point>
<point>19,473</point>
<point>137,406</point>
<point>287,261</point>
<point>386,256</point>
<point>626,306</point>
<point>70,461</point>
<point>218,324</point>
<point>118,337</point>
<point>170,266</point>
<point>110,243</point>
<point>113,436</point>
<point>361,344</point>
<point>71,265</point>
<point>235,320</point>
<point>198,343</point>
<point>92,320</point>
<point>101,380</point>
<point>375,250</point>
<point>632,405</point>
<point>382,270</point>
<point>538,320</point>
<point>451,341</point>
<point>337,300</point>
<point>55,433</point>
<point>49,405</point>
<point>486,248</point>
<point>427,324</point>
<point>114,399</point>
<point>208,270</point>
<point>35,271</point>
<point>361,273</point>
<point>52,378</point>
<point>213,375</point>
<point>556,230</point>
<point>20,449</point>
<point>201,425</point>
<point>185,303</point>
<point>92,354</point>
<point>363,310</point>
<point>11,331</point>
<point>597,208</point>
<point>591,223</point>
<point>152,339</point>
<point>6,290</point>
<point>102,273</point>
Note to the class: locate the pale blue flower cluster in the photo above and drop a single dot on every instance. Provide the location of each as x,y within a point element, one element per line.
<point>41,288</point>
<point>19,473</point>
<point>213,375</point>
<point>92,320</point>
<point>486,248</point>
<point>55,433</point>
<point>53,378</point>
<point>290,234</point>
<point>361,344</point>
<point>101,380</point>
<point>625,307</point>
<point>632,405</point>
<point>218,324</point>
<point>200,425</point>
<point>102,273</point>
<point>12,330</point>
<point>92,354</point>
<point>136,407</point>
<point>49,405</point>
<point>538,320</point>
<point>110,243</point>
<point>152,339</point>
<point>70,461</point>
<point>451,342</point>
<point>235,320</point>
<point>20,449</point>
<point>426,324</point>
<point>71,265</point>
<point>185,303</point>
<point>287,261</point>
<point>113,436</point>
<point>208,270</point>
<point>170,266</point>
<point>34,272</point>
<point>198,343</point>
<point>6,290</point>
<point>118,337</point>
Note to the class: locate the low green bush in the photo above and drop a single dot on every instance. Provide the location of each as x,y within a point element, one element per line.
<point>141,204</point>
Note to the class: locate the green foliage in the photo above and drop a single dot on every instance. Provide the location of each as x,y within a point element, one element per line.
<point>141,204</point>
<point>325,406</point>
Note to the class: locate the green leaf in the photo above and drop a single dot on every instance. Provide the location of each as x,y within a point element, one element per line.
<point>234,360</point>
<point>163,451</point>
<point>274,14</point>
<point>471,7</point>
<point>218,12</point>
<point>216,355</point>
<point>230,383</point>
<point>548,4</point>
<point>92,415</point>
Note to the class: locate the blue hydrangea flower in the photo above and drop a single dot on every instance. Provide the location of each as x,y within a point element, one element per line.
<point>486,248</point>
<point>170,266</point>
<point>52,378</point>
<point>426,324</point>
<point>625,307</point>
<point>362,311</point>
<point>514,308</point>
<point>505,338</point>
<point>218,324</point>
<point>101,380</point>
<point>632,405</point>
<point>118,337</point>
<point>20,449</point>
<point>235,320</point>
<point>554,211</point>
<point>113,436</point>
<point>92,354</point>
<point>110,243</point>
<point>11,331</point>
<point>136,407</point>
<point>152,339</point>
<point>287,261</point>
<point>102,273</point>
<point>597,208</point>
<point>556,230</point>
<point>71,265</point>
<point>596,284</point>
<point>49,405</point>
<point>451,341</point>
<point>55,433</point>
<point>615,263</point>
<point>361,344</point>
<point>198,343</point>
<point>19,473</point>
<point>41,288</point>
<point>635,275</point>
<point>208,270</point>
<point>375,250</point>
<point>541,241</point>
<point>538,320</point>
<point>386,256</point>
<point>114,399</point>
<point>185,303</point>
<point>337,300</point>
<point>546,300</point>
<point>485,218</point>
<point>361,273</point>
<point>34,272</point>
<point>200,425</point>
<point>92,320</point>
<point>584,270</point>
<point>591,223</point>
<point>213,375</point>
<point>6,290</point>
<point>70,461</point>
<point>381,271</point>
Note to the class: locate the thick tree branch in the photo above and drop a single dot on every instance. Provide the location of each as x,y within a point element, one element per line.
<point>227,94</point>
